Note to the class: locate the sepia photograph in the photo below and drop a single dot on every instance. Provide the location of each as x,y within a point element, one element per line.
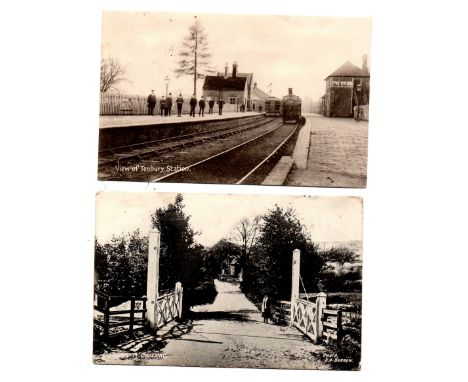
<point>234,99</point>
<point>225,280</point>
<point>139,239</point>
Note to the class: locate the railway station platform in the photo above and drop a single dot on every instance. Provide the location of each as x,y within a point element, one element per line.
<point>124,130</point>
<point>299,158</point>
<point>112,121</point>
<point>332,152</point>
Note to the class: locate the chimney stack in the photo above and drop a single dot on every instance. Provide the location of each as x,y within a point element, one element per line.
<point>290,91</point>
<point>226,68</point>
<point>364,62</point>
<point>234,69</point>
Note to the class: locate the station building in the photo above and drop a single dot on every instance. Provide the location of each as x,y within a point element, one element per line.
<point>258,98</point>
<point>234,88</point>
<point>346,88</point>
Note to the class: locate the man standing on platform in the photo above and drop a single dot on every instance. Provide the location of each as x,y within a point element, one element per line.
<point>162,106</point>
<point>180,102</point>
<point>151,103</point>
<point>201,104</point>
<point>220,106</point>
<point>210,104</point>
<point>193,105</point>
<point>169,104</point>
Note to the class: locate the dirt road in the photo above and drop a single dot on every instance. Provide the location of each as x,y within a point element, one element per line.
<point>227,333</point>
<point>231,333</point>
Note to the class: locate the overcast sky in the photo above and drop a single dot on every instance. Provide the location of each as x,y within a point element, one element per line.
<point>297,52</point>
<point>214,215</point>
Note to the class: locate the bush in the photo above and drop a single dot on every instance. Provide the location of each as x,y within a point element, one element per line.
<point>345,282</point>
<point>201,295</point>
<point>343,356</point>
<point>121,266</point>
<point>267,269</point>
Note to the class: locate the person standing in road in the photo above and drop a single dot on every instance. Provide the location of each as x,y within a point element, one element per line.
<point>201,104</point>
<point>169,104</point>
<point>180,102</point>
<point>151,103</point>
<point>193,105</point>
<point>162,106</point>
<point>220,106</point>
<point>210,105</point>
<point>266,309</point>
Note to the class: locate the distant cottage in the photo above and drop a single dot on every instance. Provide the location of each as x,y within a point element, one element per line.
<point>346,87</point>
<point>231,268</point>
<point>233,88</point>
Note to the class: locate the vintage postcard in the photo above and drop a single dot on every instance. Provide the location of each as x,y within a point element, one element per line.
<point>234,99</point>
<point>224,280</point>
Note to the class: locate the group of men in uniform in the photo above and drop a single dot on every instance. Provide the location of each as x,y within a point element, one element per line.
<point>165,105</point>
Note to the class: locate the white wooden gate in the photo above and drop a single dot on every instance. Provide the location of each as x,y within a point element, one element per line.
<point>169,306</point>
<point>160,309</point>
<point>307,316</point>
<point>304,317</point>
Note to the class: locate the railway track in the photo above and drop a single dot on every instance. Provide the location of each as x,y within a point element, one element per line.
<point>138,151</point>
<point>241,164</point>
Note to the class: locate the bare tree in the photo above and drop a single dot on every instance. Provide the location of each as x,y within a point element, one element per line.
<point>194,55</point>
<point>245,233</point>
<point>112,73</point>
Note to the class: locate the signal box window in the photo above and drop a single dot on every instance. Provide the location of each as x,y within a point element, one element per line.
<point>232,100</point>
<point>342,83</point>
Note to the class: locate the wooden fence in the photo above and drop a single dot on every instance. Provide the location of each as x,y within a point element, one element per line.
<point>122,317</point>
<point>332,325</point>
<point>124,104</point>
<point>337,324</point>
<point>319,322</point>
<point>121,104</point>
<point>112,320</point>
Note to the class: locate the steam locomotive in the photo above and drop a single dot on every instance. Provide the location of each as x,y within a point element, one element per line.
<point>291,108</point>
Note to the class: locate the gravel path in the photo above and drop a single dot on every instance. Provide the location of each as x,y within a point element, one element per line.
<point>231,333</point>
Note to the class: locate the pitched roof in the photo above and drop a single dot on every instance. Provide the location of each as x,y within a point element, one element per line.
<point>249,76</point>
<point>259,94</point>
<point>349,70</point>
<point>221,83</point>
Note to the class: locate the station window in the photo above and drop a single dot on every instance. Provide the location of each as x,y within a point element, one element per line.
<point>232,100</point>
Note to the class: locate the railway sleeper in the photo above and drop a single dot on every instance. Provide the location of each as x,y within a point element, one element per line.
<point>161,150</point>
<point>108,152</point>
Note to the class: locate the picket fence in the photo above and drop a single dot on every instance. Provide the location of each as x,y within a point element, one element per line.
<point>124,104</point>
